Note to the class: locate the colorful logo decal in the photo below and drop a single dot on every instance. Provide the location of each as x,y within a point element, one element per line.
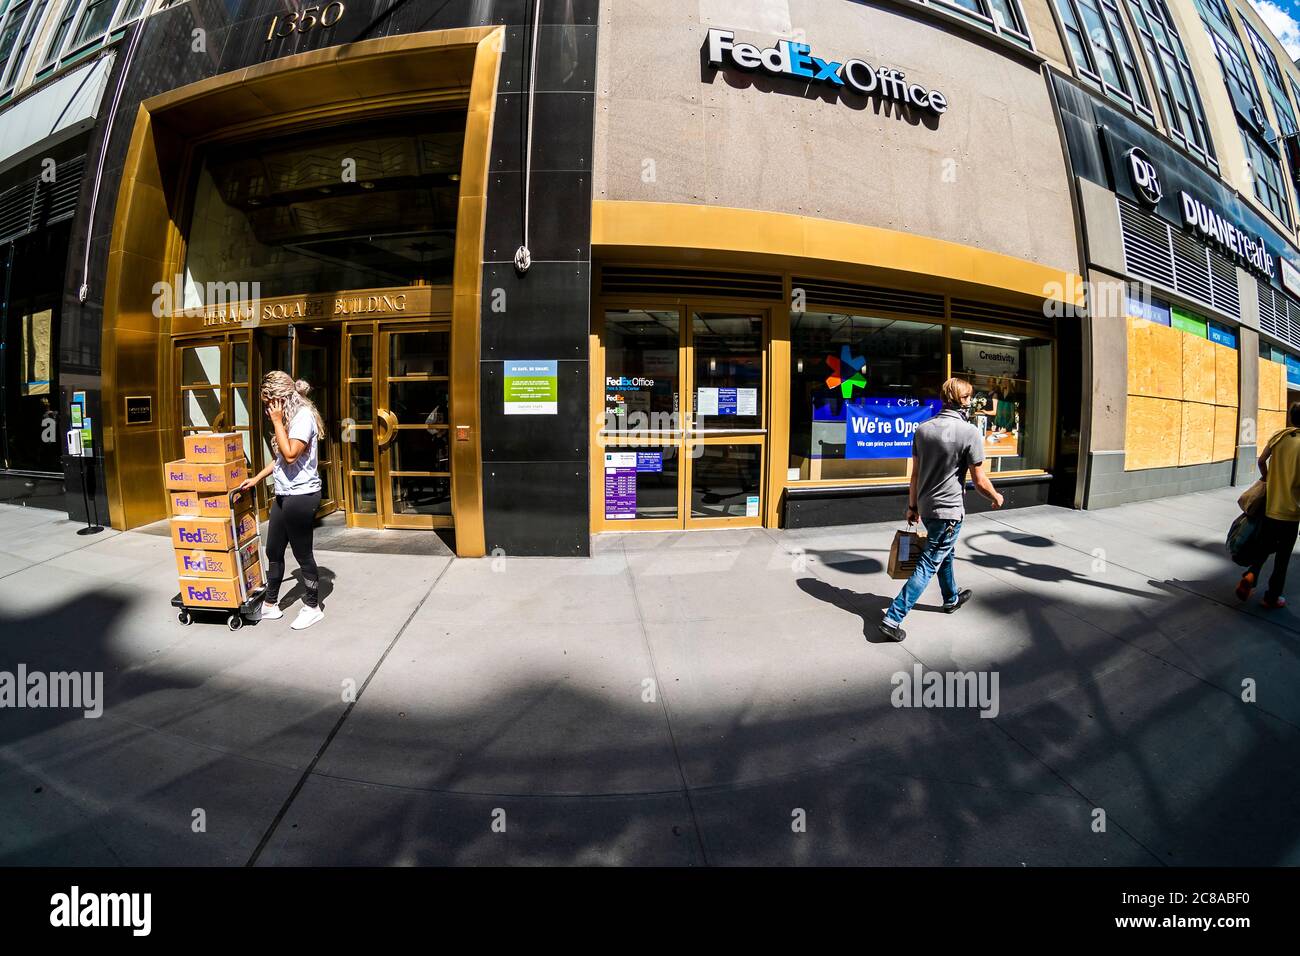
<point>846,372</point>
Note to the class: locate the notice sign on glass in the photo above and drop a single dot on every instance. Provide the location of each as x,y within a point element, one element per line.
<point>620,485</point>
<point>883,427</point>
<point>726,401</point>
<point>531,387</point>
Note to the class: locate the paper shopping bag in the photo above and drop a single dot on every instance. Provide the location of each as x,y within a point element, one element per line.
<point>904,552</point>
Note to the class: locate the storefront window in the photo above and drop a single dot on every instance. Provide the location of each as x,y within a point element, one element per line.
<point>1012,377</point>
<point>362,208</point>
<point>853,378</point>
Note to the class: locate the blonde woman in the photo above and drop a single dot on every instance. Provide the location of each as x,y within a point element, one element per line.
<point>298,428</point>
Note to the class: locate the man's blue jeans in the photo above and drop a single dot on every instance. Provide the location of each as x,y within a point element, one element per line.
<point>937,556</point>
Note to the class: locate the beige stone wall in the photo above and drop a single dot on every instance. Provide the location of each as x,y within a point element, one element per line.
<point>988,173</point>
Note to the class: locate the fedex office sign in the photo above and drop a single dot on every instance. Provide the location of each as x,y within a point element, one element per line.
<point>795,60</point>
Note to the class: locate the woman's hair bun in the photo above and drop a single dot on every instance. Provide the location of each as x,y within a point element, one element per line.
<point>302,386</point>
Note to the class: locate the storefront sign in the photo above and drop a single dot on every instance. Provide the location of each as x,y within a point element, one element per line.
<point>139,409</point>
<point>620,485</point>
<point>228,310</point>
<point>1153,310</point>
<point>1221,335</point>
<point>304,19</point>
<point>1145,176</point>
<point>883,427</point>
<point>1189,323</point>
<point>1209,224</point>
<point>792,60</point>
<point>531,387</point>
<point>1290,277</point>
<point>990,359</point>
<point>1292,370</point>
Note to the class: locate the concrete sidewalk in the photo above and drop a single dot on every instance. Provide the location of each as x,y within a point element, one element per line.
<point>675,699</point>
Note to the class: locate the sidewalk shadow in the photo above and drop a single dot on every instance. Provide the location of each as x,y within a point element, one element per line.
<point>869,607</point>
<point>296,589</point>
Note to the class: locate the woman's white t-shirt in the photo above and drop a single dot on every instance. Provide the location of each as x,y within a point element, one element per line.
<point>299,477</point>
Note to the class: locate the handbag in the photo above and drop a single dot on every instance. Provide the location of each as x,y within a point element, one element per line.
<point>905,552</point>
<point>1252,499</point>
<point>1245,540</point>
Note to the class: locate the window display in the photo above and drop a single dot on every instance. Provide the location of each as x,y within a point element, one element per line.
<point>859,387</point>
<point>1012,406</point>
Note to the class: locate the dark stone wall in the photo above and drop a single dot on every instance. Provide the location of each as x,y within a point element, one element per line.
<point>534,474</point>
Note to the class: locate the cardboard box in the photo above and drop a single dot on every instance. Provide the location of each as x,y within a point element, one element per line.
<point>210,534</point>
<point>179,476</point>
<point>218,592</point>
<point>218,505</point>
<point>184,502</point>
<point>214,448</point>
<point>196,563</point>
<point>210,478</point>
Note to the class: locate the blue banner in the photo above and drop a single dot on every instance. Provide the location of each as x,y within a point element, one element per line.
<point>1292,370</point>
<point>1217,333</point>
<point>883,427</point>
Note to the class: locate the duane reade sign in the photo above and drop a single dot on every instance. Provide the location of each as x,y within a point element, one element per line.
<point>795,60</point>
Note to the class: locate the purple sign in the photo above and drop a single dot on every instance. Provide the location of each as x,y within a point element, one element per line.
<point>620,485</point>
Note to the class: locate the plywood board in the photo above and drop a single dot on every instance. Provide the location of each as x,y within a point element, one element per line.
<point>1152,433</point>
<point>1225,434</point>
<point>1198,369</point>
<point>1141,378</point>
<point>1196,446</point>
<point>1225,375</point>
<point>1164,355</point>
<point>1268,424</point>
<point>1272,385</point>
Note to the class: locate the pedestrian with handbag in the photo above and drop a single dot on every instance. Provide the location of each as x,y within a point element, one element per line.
<point>944,449</point>
<point>1279,469</point>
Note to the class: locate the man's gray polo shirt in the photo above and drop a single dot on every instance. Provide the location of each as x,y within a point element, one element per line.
<point>942,449</point>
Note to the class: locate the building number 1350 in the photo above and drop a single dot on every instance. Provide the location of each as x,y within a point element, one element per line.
<point>304,19</point>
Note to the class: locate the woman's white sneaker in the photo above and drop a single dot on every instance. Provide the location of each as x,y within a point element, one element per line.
<point>270,612</point>
<point>307,617</point>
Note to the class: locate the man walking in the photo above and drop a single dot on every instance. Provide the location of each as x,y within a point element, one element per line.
<point>943,449</point>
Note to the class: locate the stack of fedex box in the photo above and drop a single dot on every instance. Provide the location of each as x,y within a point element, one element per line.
<point>204,537</point>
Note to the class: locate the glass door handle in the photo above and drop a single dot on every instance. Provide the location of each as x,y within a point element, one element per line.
<point>390,427</point>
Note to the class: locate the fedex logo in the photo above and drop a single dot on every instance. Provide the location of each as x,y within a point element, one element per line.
<point>202,450</point>
<point>201,564</point>
<point>196,536</point>
<point>185,502</point>
<point>209,593</point>
<point>173,475</point>
<point>795,61</point>
<point>206,477</point>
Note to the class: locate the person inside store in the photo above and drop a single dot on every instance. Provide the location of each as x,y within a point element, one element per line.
<point>944,449</point>
<point>1279,469</point>
<point>294,470</point>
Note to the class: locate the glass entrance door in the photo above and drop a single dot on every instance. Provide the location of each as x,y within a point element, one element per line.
<point>214,388</point>
<point>396,469</point>
<point>683,440</point>
<point>316,359</point>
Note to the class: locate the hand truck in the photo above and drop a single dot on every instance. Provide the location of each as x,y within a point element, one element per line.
<point>250,603</point>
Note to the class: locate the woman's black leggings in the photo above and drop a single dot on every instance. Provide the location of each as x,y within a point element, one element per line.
<point>292,517</point>
<point>1279,538</point>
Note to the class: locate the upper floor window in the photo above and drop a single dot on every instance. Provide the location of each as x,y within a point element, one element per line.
<point>1268,65</point>
<point>1002,17</point>
<point>1172,75</point>
<point>1257,135</point>
<point>1101,50</point>
<point>83,24</point>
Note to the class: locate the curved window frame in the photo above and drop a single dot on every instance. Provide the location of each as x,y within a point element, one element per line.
<point>987,14</point>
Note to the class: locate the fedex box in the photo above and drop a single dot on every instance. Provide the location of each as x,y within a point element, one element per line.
<point>214,449</point>
<point>184,502</point>
<point>211,478</point>
<point>197,563</point>
<point>211,534</point>
<point>219,506</point>
<point>218,592</point>
<point>179,476</point>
